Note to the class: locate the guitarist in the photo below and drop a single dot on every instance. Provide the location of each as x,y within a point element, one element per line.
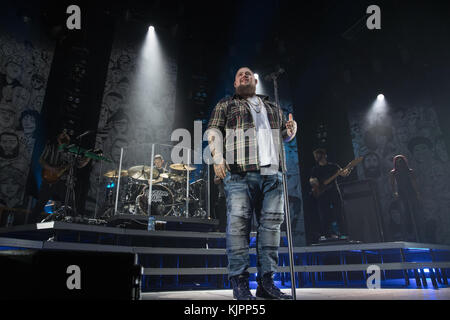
<point>329,201</point>
<point>55,164</point>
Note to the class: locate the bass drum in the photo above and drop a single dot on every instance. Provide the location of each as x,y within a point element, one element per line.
<point>162,201</point>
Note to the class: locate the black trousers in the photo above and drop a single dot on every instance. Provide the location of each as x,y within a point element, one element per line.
<point>412,213</point>
<point>55,191</point>
<point>330,212</point>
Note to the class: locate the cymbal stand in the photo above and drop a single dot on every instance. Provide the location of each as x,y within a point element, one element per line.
<point>150,183</point>
<point>98,189</point>
<point>187,181</point>
<point>118,182</point>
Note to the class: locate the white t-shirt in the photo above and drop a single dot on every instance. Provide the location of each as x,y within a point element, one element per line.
<point>267,152</point>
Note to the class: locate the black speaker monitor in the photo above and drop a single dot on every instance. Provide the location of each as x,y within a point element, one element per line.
<point>361,211</point>
<point>33,274</point>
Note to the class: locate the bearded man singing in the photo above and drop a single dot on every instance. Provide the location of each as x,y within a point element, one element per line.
<point>248,161</point>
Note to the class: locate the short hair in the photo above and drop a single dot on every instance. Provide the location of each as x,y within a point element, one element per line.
<point>239,68</point>
<point>158,156</point>
<point>419,140</point>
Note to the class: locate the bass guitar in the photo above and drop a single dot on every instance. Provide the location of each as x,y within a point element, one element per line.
<point>319,189</point>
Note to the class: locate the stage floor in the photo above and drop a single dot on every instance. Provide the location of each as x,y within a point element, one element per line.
<point>313,294</point>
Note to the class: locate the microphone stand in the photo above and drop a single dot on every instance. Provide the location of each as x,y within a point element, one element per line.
<point>70,183</point>
<point>282,154</point>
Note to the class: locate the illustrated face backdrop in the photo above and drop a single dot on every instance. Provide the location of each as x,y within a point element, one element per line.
<point>138,108</point>
<point>24,69</point>
<point>414,133</point>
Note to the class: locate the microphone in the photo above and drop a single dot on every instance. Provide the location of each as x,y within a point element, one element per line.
<point>274,75</point>
<point>84,134</point>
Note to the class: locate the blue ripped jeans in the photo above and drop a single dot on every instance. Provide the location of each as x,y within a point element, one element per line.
<point>262,194</point>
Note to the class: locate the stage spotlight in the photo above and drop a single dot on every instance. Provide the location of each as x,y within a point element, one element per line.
<point>151,82</point>
<point>378,112</point>
<point>380,103</point>
<point>151,46</point>
<point>259,85</point>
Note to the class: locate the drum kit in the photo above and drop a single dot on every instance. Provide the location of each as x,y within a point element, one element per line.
<point>169,191</point>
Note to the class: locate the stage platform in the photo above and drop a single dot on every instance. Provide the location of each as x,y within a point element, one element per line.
<point>136,221</point>
<point>199,257</point>
<point>311,294</point>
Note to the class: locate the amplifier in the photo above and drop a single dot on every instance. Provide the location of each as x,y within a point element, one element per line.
<point>361,211</point>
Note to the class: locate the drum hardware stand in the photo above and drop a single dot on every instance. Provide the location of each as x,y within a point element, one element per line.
<point>98,189</point>
<point>274,76</point>
<point>150,183</point>
<point>187,182</point>
<point>70,183</point>
<point>70,187</point>
<point>118,182</point>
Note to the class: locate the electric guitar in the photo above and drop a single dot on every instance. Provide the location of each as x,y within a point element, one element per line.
<point>318,190</point>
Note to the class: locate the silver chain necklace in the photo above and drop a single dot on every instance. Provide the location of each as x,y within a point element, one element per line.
<point>254,106</point>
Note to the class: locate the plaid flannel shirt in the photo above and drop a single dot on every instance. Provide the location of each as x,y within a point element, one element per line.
<point>233,118</point>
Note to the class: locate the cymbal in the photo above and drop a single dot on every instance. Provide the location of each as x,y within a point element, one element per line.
<point>142,172</point>
<point>182,167</point>
<point>115,173</point>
